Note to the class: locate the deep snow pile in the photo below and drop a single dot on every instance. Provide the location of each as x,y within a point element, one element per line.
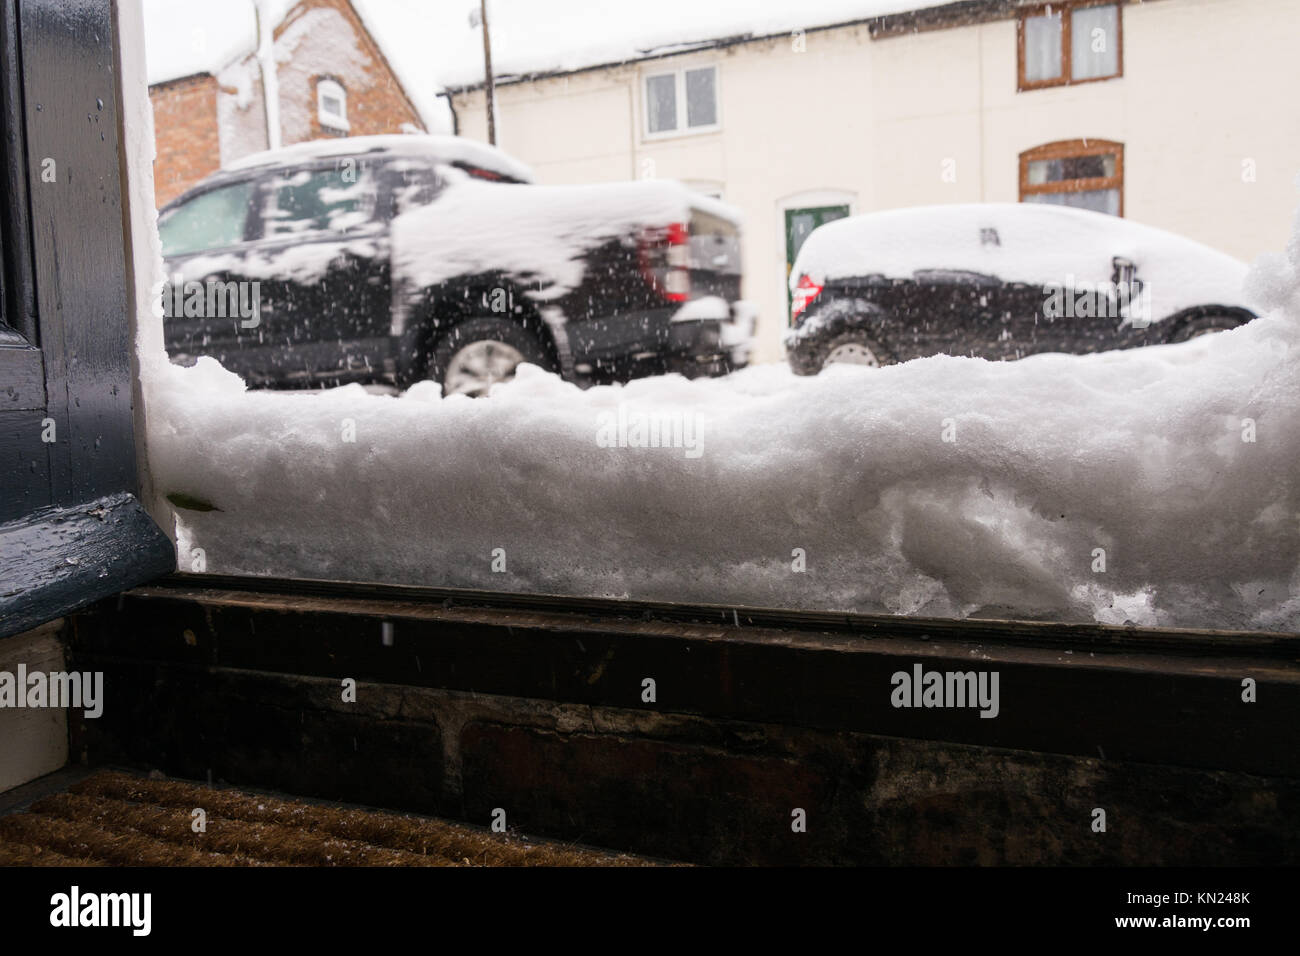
<point>1178,462</point>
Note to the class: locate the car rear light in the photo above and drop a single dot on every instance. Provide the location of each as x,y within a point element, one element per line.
<point>666,261</point>
<point>804,292</point>
<point>478,172</point>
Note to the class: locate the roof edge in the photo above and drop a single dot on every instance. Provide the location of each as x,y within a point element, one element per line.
<point>937,17</point>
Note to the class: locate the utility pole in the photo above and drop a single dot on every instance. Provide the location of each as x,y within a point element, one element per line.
<point>487,69</point>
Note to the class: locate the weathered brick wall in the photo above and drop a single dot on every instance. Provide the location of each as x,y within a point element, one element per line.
<point>241,110</point>
<point>337,46</point>
<point>679,786</point>
<point>464,711</point>
<point>186,133</point>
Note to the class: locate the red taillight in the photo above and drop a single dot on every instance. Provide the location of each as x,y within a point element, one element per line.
<point>478,172</point>
<point>666,261</point>
<point>804,292</point>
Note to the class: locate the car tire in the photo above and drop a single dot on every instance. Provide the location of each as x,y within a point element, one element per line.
<point>1205,325</point>
<point>847,336</point>
<point>854,347</point>
<point>476,354</point>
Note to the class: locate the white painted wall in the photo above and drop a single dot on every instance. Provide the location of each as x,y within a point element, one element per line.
<point>35,739</point>
<point>1207,87</point>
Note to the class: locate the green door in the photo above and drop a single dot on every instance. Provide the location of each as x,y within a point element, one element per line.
<point>799,223</point>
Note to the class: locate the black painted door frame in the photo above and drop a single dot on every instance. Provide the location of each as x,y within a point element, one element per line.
<point>71,527</point>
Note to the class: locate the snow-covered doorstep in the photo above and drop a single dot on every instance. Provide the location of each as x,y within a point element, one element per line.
<point>1138,453</point>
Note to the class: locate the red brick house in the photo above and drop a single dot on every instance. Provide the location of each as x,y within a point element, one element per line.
<point>333,80</point>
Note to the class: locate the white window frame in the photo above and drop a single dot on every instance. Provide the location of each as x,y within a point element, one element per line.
<point>327,87</point>
<point>679,74</point>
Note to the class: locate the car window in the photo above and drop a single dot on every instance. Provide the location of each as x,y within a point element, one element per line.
<point>210,220</point>
<point>329,199</point>
<point>414,185</point>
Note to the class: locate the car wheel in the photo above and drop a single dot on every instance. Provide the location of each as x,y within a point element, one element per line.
<point>1204,325</point>
<point>854,348</point>
<point>476,354</point>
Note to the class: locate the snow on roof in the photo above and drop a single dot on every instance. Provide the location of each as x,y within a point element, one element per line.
<point>447,149</point>
<point>432,45</point>
<point>1023,242</point>
<point>559,35</point>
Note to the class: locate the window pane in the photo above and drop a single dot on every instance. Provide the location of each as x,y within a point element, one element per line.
<point>701,97</point>
<point>1098,200</point>
<point>416,186</point>
<point>1045,171</point>
<point>320,200</point>
<point>801,226</point>
<point>661,102</point>
<point>1071,167</point>
<point>1089,167</point>
<point>210,221</point>
<point>1043,48</point>
<point>1094,42</point>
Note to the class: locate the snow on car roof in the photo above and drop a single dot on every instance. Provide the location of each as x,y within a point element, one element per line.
<point>1023,242</point>
<point>447,149</point>
<point>534,231</point>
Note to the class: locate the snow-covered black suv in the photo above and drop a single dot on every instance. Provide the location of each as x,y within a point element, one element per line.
<point>390,259</point>
<point>1001,281</point>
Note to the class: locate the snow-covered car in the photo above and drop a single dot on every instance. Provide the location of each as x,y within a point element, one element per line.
<point>390,259</point>
<point>1001,281</point>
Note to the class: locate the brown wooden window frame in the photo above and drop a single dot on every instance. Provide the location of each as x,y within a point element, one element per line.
<point>1066,9</point>
<point>1070,149</point>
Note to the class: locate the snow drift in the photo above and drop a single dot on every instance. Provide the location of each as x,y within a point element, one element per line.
<point>1157,485</point>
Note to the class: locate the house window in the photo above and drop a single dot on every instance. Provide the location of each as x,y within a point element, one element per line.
<point>1069,43</point>
<point>332,105</point>
<point>1084,173</point>
<point>682,101</point>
